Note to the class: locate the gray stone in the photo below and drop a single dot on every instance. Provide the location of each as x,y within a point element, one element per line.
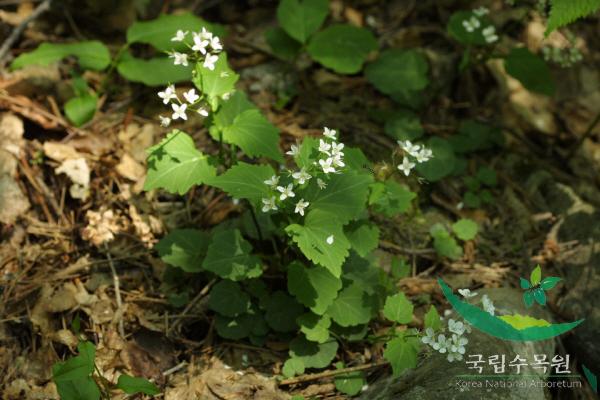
<point>436,378</point>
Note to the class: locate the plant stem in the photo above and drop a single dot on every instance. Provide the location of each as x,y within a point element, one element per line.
<point>258,230</point>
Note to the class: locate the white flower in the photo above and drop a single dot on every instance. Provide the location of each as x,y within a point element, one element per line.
<point>466,293</point>
<point>180,58</point>
<point>337,148</point>
<point>190,96</point>
<point>179,36</point>
<point>301,176</point>
<point>164,121</point>
<point>424,155</point>
<point>272,181</point>
<point>329,239</point>
<point>487,304</point>
<point>209,61</point>
<point>300,206</point>
<point>327,165</point>
<point>294,151</point>
<point>429,338</point>
<point>168,94</point>
<point>406,166</point>
<point>412,149</point>
<point>330,133</point>
<point>481,11</point>
<point>471,24</point>
<point>215,44</point>
<point>324,147</point>
<point>179,111</point>
<point>226,96</point>
<point>337,161</point>
<point>321,184</point>
<point>441,345</point>
<point>204,34</point>
<point>269,204</point>
<point>286,191</point>
<point>489,34</point>
<point>456,327</point>
<point>202,111</point>
<point>200,44</point>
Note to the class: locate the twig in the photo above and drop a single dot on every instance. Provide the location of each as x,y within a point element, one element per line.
<point>175,368</point>
<point>39,10</point>
<point>389,245</point>
<point>117,286</point>
<point>587,134</point>
<point>327,374</point>
<point>191,304</point>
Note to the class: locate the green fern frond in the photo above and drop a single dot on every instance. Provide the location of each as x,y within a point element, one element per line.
<point>564,12</point>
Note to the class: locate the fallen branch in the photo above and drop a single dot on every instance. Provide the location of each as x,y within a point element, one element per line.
<point>117,286</point>
<point>39,10</point>
<point>190,305</point>
<point>328,374</point>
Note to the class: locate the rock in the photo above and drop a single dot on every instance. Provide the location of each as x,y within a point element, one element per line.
<point>436,378</point>
<point>577,221</point>
<point>12,201</point>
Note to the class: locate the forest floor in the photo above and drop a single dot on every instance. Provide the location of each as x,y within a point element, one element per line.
<point>51,270</point>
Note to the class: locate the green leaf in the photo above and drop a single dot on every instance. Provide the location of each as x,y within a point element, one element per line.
<point>539,296</point>
<point>366,274</point>
<point>282,45</point>
<point>132,385</point>
<point>432,319</point>
<point>313,355</point>
<point>528,298</point>
<point>245,181</point>
<point>444,244</point>
<point>524,283</point>
<point>398,70</point>
<point>156,71</point>
<point>215,83</point>
<point>312,240</point>
<point>315,287</point>
<point>282,311</point>
<point>234,328</point>
<point>401,354</point>
<point>301,18</point>
<point>350,383</point>
<point>236,104</point>
<point>403,125</point>
<point>158,32</point>
<point>471,200</point>
<point>80,110</point>
<point>228,299</point>
<point>254,134</point>
<point>176,165</point>
<point>79,389</point>
<point>530,70</point>
<point>91,55</point>
<point>78,367</point>
<point>399,268</point>
<point>363,237</point>
<point>342,48</point>
<point>536,275</point>
<point>315,327</point>
<point>442,163</point>
<point>292,367</point>
<point>391,198</point>
<point>487,176</point>
<point>184,248</point>
<point>345,195</point>
<point>475,136</point>
<point>465,229</point>
<point>563,12</point>
<point>353,306</point>
<point>398,309</point>
<point>229,256</point>
<point>457,30</point>
<point>549,282</point>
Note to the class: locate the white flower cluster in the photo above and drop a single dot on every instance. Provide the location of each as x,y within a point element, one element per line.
<point>454,344</point>
<point>473,23</point>
<point>415,154</point>
<point>331,157</point>
<point>191,99</point>
<point>205,43</point>
<point>565,57</point>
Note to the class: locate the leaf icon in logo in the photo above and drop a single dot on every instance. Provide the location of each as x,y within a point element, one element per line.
<point>536,286</point>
